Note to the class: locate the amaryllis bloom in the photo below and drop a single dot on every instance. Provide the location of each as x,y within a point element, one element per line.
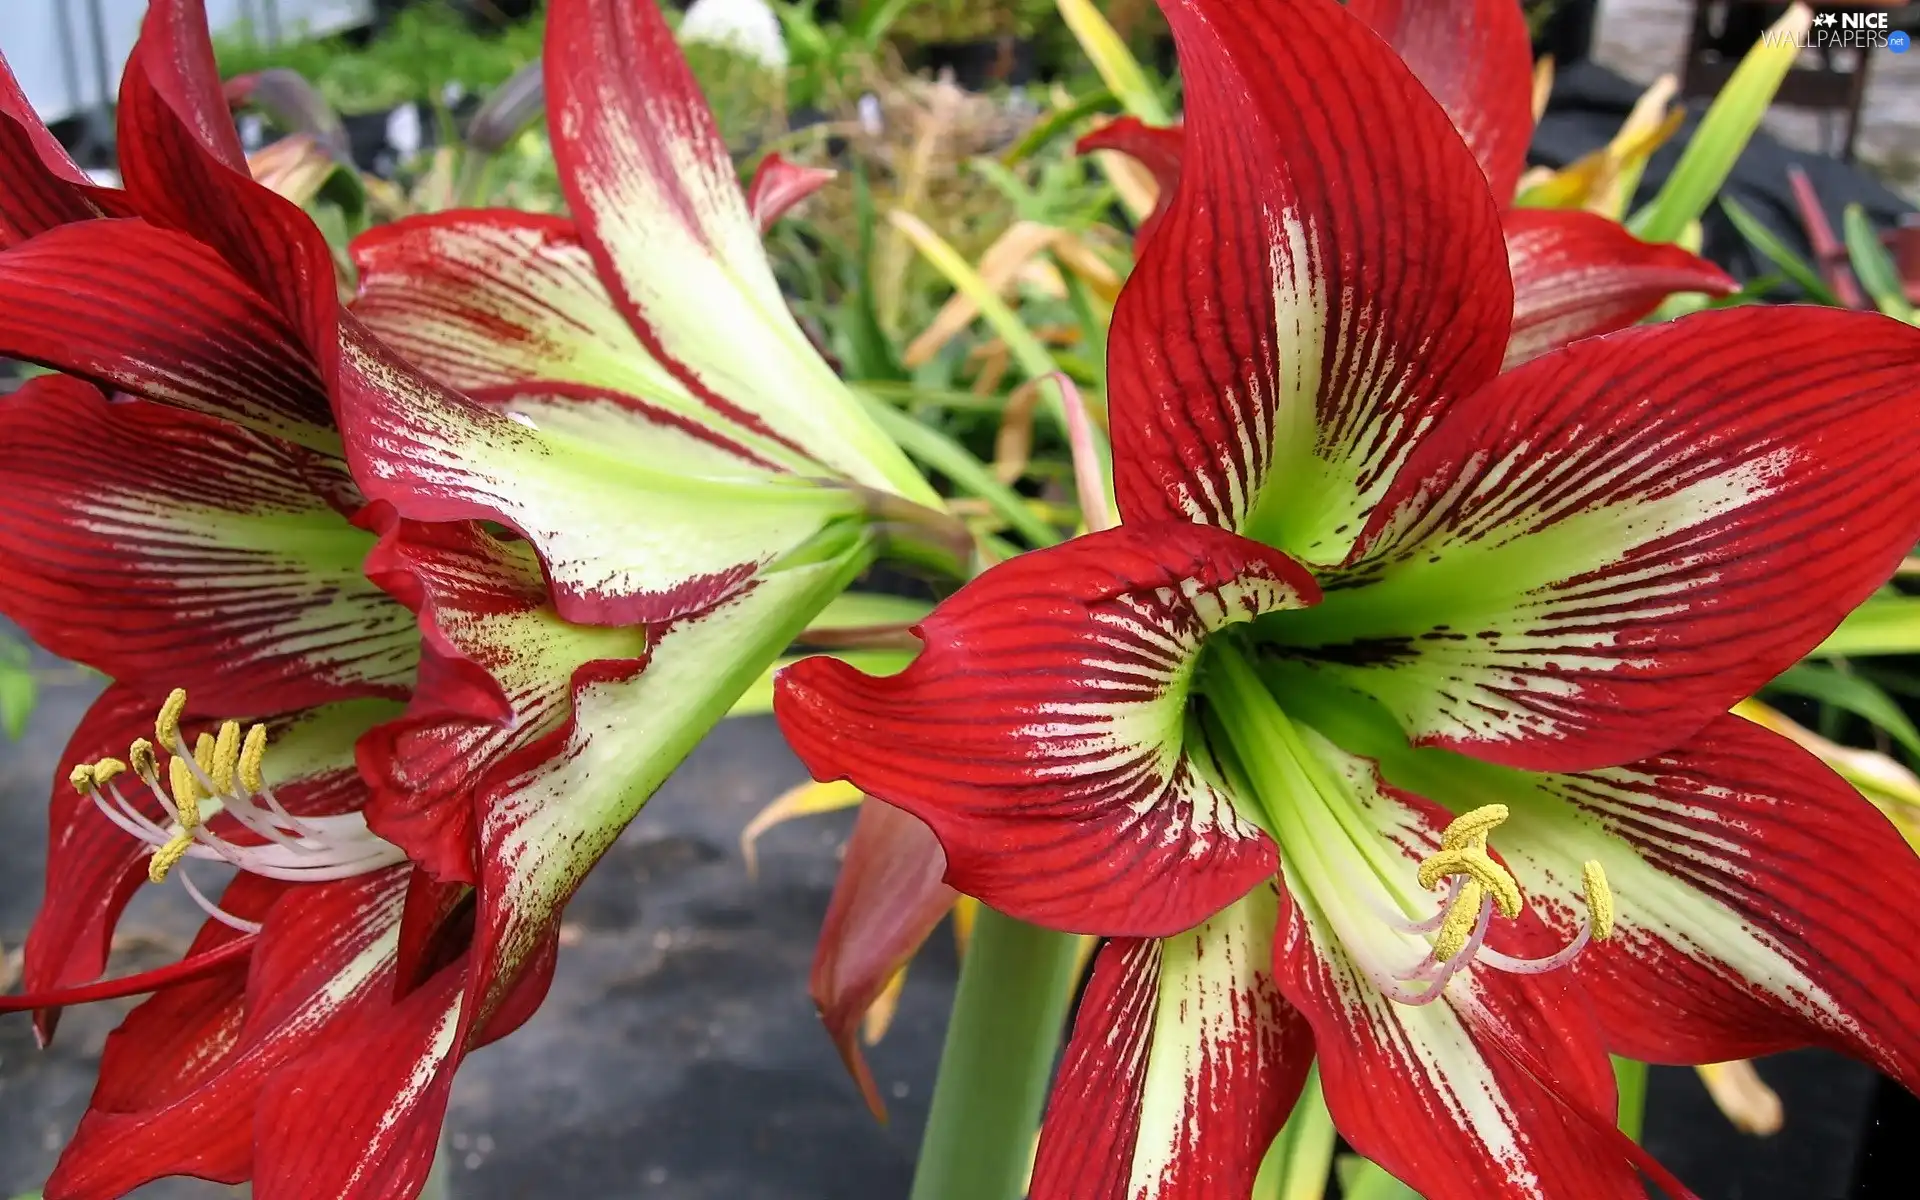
<point>1575,274</point>
<point>1389,729</point>
<point>371,939</point>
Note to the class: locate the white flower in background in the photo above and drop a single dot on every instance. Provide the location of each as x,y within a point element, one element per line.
<point>747,27</point>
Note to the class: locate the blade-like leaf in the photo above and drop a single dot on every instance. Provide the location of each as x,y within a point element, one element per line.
<point>1856,695</point>
<point>1777,252</point>
<point>1119,70</point>
<point>1874,266</point>
<point>1724,132</point>
<point>1885,624</point>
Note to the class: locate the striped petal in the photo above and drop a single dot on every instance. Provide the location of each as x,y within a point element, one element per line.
<point>548,811</point>
<point>1183,1065</point>
<point>484,300</point>
<point>40,185</point>
<point>496,676</point>
<point>1605,549</point>
<point>1753,891</point>
<point>104,299</point>
<point>637,519</point>
<point>660,208</point>
<point>94,868</point>
<point>1354,286</point>
<point>886,900</point>
<point>167,549</point>
<point>1435,1093</point>
<point>1476,58</point>
<point>1042,732</point>
<point>183,168</point>
<point>1577,274</point>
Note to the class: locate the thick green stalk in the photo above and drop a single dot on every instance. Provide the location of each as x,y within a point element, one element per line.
<point>1630,1078</point>
<point>1008,1013</point>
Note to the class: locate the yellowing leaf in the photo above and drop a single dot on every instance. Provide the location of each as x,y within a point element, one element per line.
<point>809,799</point>
<point>1740,1093</point>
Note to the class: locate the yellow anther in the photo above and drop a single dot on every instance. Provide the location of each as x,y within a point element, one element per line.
<point>81,777</point>
<point>203,752</point>
<point>226,757</point>
<point>167,857</point>
<point>1474,864</point>
<point>253,756</point>
<point>1471,829</point>
<point>186,792</point>
<point>1461,917</point>
<point>107,770</point>
<point>1599,900</point>
<point>140,754</point>
<point>166,727</point>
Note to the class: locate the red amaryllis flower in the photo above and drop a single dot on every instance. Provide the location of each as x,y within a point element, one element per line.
<point>1575,274</point>
<point>1351,542</point>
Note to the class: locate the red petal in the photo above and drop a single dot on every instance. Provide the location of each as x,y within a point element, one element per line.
<point>1183,1065</point>
<point>176,59</point>
<point>1156,148</point>
<point>1328,279</point>
<point>40,186</point>
<point>183,168</point>
<point>1766,926</point>
<point>887,899</point>
<point>1576,274</point>
<point>778,185</point>
<point>168,1055</point>
<point>104,299</point>
<point>1040,732</point>
<point>497,675</point>
<point>1609,546</point>
<point>1431,1092</point>
<point>1476,58</point>
<point>170,550</point>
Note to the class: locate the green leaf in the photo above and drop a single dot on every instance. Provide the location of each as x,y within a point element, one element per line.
<point>1055,123</point>
<point>757,700</point>
<point>957,463</point>
<point>1722,134</point>
<point>1886,624</point>
<point>1850,693</point>
<point>1777,252</point>
<point>1033,357</point>
<point>860,610</point>
<point>1364,1180</point>
<point>1873,266</point>
<point>870,353</point>
<point>1119,70</point>
<point>19,690</point>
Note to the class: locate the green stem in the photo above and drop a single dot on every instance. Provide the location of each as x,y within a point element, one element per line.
<point>1007,1019</point>
<point>1630,1079</point>
<point>1298,1164</point>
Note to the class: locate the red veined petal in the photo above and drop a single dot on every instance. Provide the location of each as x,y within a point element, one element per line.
<point>1431,1091</point>
<point>1752,888</point>
<point>1577,274</point>
<point>1041,733</point>
<point>170,550</point>
<point>1184,1062</point>
<point>183,169</point>
<point>550,809</point>
<point>40,186</point>
<point>1607,547</point>
<point>1476,58</point>
<point>497,675</point>
<point>94,867</point>
<point>494,299</point>
<point>1157,148</point>
<point>166,1050</point>
<point>886,900</point>
<point>176,60</point>
<point>104,299</point>
<point>778,185</point>
<point>568,473</point>
<point>1328,278</point>
<point>649,180</point>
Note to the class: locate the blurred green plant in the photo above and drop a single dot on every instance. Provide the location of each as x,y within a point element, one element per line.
<point>19,687</point>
